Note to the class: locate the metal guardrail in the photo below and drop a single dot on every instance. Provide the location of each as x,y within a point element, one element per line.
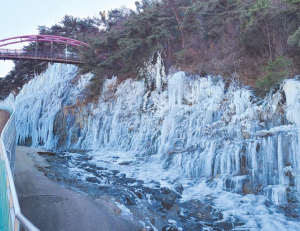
<point>42,56</point>
<point>10,202</point>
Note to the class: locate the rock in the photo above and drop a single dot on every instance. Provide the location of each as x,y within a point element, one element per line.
<point>115,172</point>
<point>92,165</point>
<point>46,153</point>
<point>156,206</point>
<point>247,188</point>
<point>167,204</point>
<point>90,170</point>
<point>169,228</point>
<point>130,201</point>
<point>92,179</point>
<point>87,158</point>
<point>175,208</point>
<point>179,188</point>
<point>224,225</point>
<point>125,163</point>
<point>139,194</point>
<point>100,168</point>
<point>190,225</point>
<point>146,229</point>
<point>239,184</point>
<point>122,175</point>
<point>170,194</point>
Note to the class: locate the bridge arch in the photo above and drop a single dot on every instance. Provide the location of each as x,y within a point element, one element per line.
<point>12,54</point>
<point>43,38</point>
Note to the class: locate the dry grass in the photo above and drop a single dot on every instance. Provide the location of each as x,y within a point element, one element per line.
<point>4,116</point>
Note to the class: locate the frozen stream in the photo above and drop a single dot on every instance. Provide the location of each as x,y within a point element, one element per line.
<point>140,190</point>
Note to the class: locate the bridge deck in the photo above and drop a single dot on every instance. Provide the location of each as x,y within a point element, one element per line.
<point>54,60</point>
<point>6,54</point>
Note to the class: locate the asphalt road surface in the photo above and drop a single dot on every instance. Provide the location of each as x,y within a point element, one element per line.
<point>52,207</point>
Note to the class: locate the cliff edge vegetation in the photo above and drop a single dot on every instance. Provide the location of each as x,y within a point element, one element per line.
<point>255,42</point>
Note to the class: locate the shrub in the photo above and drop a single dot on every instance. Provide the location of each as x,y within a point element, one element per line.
<point>276,70</point>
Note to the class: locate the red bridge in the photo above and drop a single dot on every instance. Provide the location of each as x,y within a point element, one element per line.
<point>49,56</point>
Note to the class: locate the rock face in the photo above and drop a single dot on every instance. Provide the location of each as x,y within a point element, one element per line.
<point>195,127</point>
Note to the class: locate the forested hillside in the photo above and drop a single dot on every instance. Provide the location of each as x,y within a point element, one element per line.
<point>255,42</point>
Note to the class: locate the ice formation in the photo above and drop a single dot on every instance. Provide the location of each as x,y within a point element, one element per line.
<point>189,129</point>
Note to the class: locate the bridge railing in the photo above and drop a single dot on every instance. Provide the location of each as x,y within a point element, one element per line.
<point>6,53</point>
<point>11,218</point>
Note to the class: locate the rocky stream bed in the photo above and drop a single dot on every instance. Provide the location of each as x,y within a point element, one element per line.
<point>157,208</point>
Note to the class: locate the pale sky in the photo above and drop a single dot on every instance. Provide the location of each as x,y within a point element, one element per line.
<point>22,17</point>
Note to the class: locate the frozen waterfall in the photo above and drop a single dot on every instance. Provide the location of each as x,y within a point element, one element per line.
<point>188,128</point>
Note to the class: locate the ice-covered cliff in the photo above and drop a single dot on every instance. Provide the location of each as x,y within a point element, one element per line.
<point>184,129</point>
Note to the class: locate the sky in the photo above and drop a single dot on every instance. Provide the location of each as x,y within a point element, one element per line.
<point>22,17</point>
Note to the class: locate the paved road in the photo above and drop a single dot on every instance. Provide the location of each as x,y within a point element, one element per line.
<point>55,208</point>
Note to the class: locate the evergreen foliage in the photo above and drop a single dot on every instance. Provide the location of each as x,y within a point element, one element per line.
<point>276,70</point>
<point>294,39</point>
